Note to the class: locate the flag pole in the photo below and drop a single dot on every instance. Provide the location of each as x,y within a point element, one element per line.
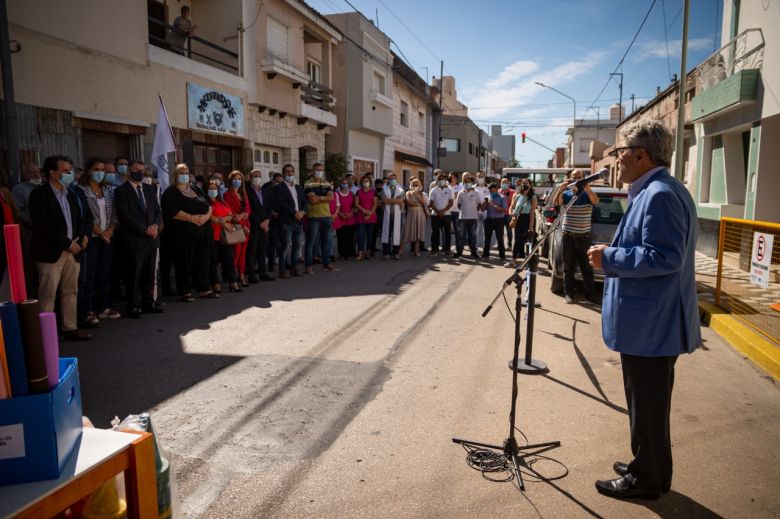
<point>170,129</point>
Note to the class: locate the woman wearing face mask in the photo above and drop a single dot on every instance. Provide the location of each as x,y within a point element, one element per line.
<point>416,214</point>
<point>344,220</point>
<point>221,253</point>
<point>523,210</point>
<point>185,214</point>
<point>236,199</point>
<point>93,296</point>
<point>366,204</point>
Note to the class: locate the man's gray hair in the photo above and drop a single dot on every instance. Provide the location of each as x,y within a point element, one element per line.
<point>653,136</point>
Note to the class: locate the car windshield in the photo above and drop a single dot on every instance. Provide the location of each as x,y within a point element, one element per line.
<point>610,208</point>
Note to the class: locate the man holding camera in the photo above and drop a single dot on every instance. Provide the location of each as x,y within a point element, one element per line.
<point>576,236</point>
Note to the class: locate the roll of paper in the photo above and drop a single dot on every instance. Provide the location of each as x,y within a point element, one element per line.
<point>51,346</point>
<point>32,339</point>
<point>13,251</point>
<point>5,379</point>
<point>14,351</point>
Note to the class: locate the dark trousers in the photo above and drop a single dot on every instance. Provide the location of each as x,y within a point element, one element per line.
<point>364,233</point>
<point>191,260</point>
<point>440,225</point>
<point>376,231</point>
<point>96,268</point>
<point>467,234</point>
<point>346,238</point>
<point>319,241</point>
<point>575,252</point>
<point>648,382</point>
<point>221,254</point>
<point>509,233</point>
<point>118,269</point>
<point>256,253</point>
<point>167,248</point>
<point>494,226</point>
<point>139,276</point>
<point>272,250</point>
<point>289,234</point>
<point>521,235</point>
<point>455,216</point>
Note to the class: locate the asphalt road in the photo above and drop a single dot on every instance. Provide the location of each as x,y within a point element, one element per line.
<point>337,395</point>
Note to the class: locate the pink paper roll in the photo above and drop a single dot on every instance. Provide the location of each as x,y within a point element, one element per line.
<point>13,251</point>
<point>51,346</point>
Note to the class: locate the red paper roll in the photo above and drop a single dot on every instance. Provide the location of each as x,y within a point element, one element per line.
<point>13,251</point>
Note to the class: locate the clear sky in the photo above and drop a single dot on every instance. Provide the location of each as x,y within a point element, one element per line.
<point>497,49</point>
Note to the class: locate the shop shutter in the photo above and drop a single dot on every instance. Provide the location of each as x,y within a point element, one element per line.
<point>105,145</point>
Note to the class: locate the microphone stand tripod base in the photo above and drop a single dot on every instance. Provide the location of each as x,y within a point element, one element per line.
<point>535,367</point>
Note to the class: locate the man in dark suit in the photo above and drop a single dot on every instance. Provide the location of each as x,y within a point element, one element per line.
<point>139,217</point>
<point>57,238</point>
<point>273,228</point>
<point>289,203</point>
<point>258,228</point>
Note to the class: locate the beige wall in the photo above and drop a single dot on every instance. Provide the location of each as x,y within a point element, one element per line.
<point>113,26</point>
<point>414,139</point>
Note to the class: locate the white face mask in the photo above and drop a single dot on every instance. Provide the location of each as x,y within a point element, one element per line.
<point>147,180</point>
<point>481,180</point>
<point>37,181</point>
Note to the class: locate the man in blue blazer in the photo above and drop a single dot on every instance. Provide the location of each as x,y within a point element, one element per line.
<point>650,311</point>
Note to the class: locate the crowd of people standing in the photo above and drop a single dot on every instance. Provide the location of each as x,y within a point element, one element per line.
<point>111,234</point>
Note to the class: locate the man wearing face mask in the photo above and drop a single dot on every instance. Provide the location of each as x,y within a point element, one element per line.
<point>140,217</point>
<point>121,170</point>
<point>57,222</point>
<point>288,201</point>
<point>468,202</point>
<point>484,194</point>
<point>319,193</point>
<point>508,193</point>
<point>259,226</point>
<point>393,200</point>
<point>441,198</point>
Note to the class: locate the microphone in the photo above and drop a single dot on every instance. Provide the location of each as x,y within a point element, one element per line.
<point>602,174</point>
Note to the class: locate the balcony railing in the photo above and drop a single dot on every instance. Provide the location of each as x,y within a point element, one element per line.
<point>221,57</point>
<point>318,96</point>
<point>744,52</point>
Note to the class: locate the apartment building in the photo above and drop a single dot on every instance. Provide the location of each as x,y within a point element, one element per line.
<point>364,95</point>
<point>737,121</point>
<point>87,80</point>
<point>409,148</point>
<point>587,131</point>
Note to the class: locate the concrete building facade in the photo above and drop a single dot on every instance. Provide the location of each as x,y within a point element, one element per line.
<point>364,95</point>
<point>461,140</point>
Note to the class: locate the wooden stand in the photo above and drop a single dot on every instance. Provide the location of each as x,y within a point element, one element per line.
<point>101,456</point>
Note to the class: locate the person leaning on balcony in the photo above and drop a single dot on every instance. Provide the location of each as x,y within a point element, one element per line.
<point>181,30</point>
<point>650,314</point>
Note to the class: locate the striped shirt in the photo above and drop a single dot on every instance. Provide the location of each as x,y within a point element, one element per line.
<point>577,218</point>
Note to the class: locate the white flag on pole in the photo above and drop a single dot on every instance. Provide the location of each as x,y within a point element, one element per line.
<point>163,145</point>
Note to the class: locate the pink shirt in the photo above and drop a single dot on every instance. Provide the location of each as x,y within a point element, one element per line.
<point>346,204</point>
<point>366,201</point>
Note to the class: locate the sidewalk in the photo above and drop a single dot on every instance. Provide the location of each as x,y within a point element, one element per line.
<point>754,345</point>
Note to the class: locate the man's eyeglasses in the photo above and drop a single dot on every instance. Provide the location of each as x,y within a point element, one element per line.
<point>618,151</point>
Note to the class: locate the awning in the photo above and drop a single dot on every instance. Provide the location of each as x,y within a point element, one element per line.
<point>414,159</point>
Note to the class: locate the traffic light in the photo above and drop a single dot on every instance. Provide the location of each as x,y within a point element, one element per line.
<point>522,137</point>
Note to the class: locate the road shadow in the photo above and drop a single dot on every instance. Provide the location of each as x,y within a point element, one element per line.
<point>674,505</point>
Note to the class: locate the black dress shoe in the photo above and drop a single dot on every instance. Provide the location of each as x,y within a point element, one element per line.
<point>134,313</point>
<point>625,487</point>
<point>621,469</point>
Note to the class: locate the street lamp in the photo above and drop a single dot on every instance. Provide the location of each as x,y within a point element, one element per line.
<point>574,116</point>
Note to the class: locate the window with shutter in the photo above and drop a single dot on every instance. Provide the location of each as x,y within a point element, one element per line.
<point>277,40</point>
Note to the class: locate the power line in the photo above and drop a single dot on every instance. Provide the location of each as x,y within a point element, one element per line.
<point>409,31</point>
<point>620,63</point>
<point>652,51</point>
<point>666,37</point>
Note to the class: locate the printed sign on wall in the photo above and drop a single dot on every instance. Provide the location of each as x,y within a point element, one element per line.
<point>214,111</point>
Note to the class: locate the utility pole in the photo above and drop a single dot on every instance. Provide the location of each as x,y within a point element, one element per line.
<point>9,102</point>
<point>632,103</point>
<point>679,162</point>
<point>441,113</point>
<point>621,92</point>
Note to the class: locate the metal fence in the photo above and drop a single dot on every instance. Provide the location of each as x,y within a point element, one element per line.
<point>743,246</point>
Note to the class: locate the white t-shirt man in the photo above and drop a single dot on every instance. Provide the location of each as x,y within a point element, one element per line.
<point>439,197</point>
<point>467,203</point>
<point>457,188</point>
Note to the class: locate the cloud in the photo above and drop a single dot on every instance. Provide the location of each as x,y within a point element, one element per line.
<point>657,48</point>
<point>515,85</point>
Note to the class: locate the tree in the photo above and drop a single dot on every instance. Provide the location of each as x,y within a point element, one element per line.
<point>513,163</point>
<point>335,167</point>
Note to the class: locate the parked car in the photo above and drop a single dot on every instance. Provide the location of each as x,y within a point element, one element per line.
<point>604,222</point>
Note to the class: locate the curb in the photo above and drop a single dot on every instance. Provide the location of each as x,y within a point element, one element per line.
<point>755,346</point>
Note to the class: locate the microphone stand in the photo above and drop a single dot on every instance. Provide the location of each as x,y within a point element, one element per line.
<point>510,449</point>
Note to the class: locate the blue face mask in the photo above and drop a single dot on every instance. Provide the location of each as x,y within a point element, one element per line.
<point>504,186</point>
<point>183,179</point>
<point>289,179</point>
<point>112,179</point>
<point>122,169</point>
<point>236,183</point>
<point>67,178</point>
<point>393,182</point>
<point>344,187</point>
<point>222,189</point>
<point>467,185</point>
<point>98,176</point>
<point>213,193</point>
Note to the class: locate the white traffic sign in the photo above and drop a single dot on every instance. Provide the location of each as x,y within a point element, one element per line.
<point>761,259</point>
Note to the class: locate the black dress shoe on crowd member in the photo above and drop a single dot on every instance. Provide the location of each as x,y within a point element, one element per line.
<point>625,487</point>
<point>134,313</point>
<point>621,469</point>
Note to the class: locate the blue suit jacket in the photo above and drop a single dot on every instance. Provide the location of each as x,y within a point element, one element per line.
<point>650,307</point>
